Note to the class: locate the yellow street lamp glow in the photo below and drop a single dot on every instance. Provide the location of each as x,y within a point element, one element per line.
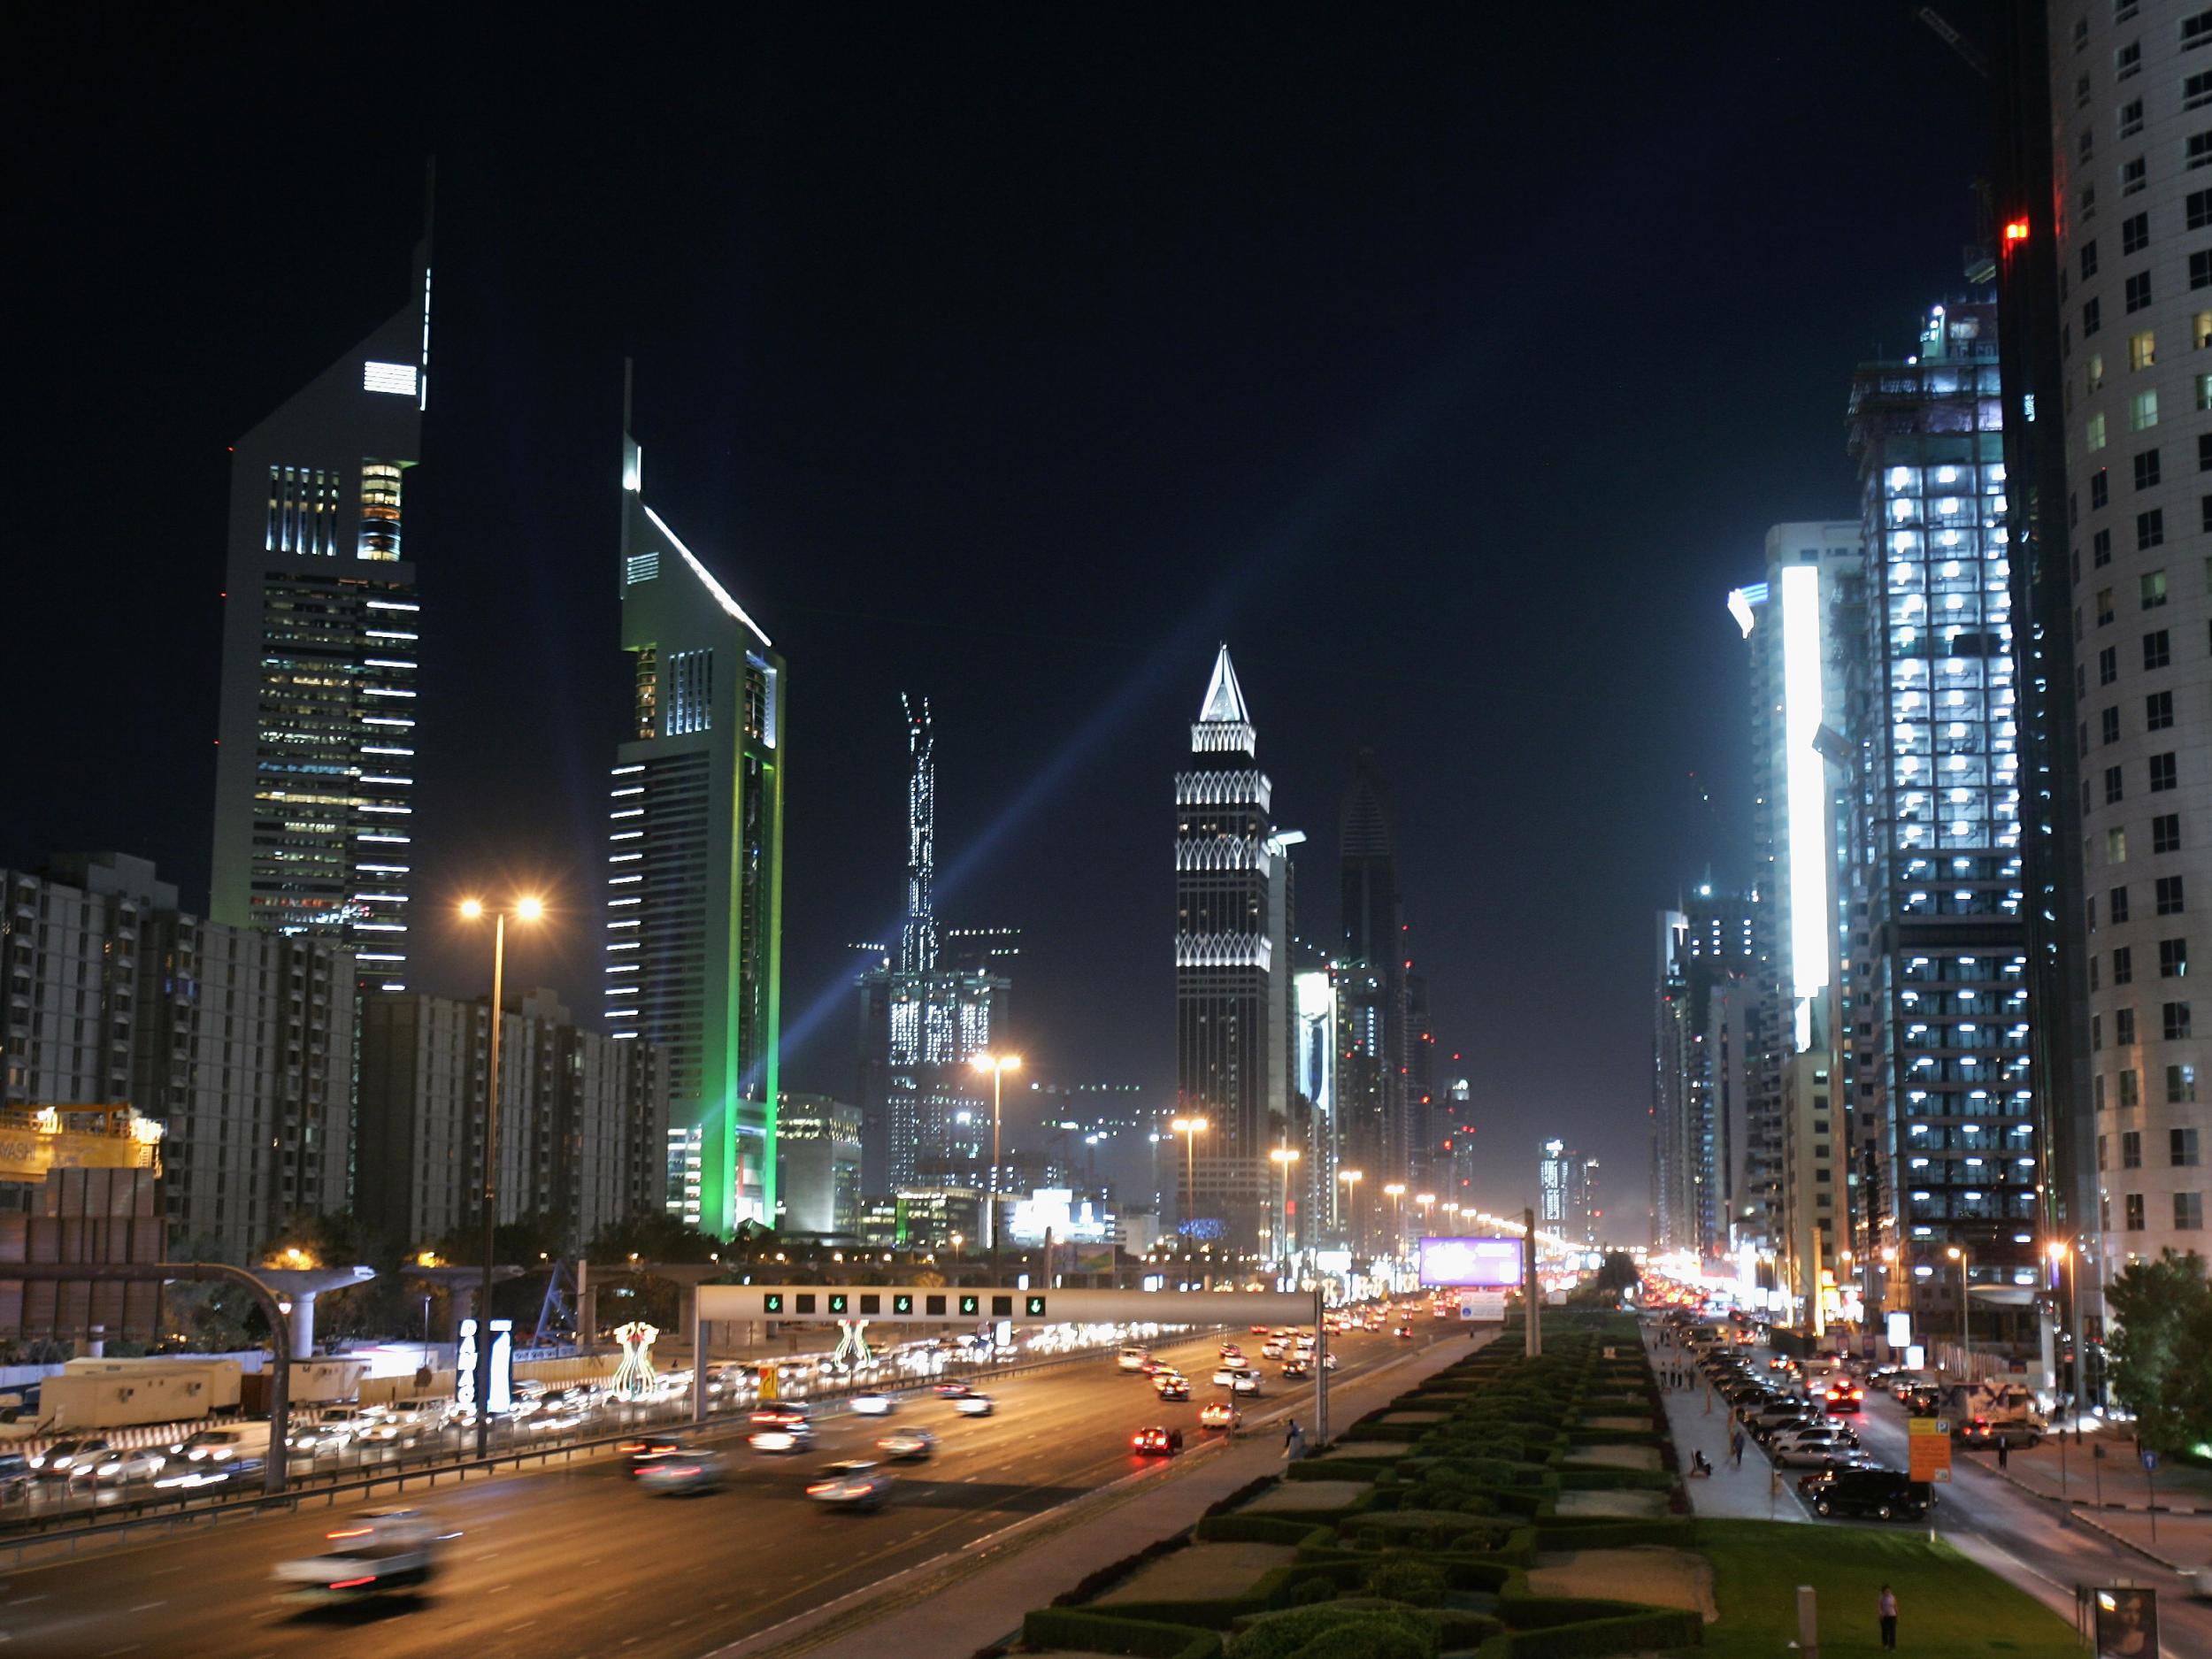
<point>1350,1176</point>
<point>1396,1189</point>
<point>529,909</point>
<point>2058,1250</point>
<point>472,909</point>
<point>997,1063</point>
<point>1285,1155</point>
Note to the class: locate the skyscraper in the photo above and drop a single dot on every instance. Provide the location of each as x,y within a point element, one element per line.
<point>924,1018</point>
<point>314,771</point>
<point>2122,112</point>
<point>1701,1068</point>
<point>1801,627</point>
<point>1378,1133</point>
<point>1231,967</point>
<point>694,865</point>
<point>1940,1086</point>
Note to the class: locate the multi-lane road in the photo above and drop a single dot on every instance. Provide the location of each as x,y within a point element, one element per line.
<point>579,1561</point>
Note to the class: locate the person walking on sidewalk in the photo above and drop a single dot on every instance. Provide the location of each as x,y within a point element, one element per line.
<point>1735,1446</point>
<point>2004,1450</point>
<point>1886,1608</point>
<point>1294,1442</point>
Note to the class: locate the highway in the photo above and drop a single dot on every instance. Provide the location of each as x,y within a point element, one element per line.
<point>579,1561</point>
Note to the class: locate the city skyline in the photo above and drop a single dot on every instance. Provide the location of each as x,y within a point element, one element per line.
<point>1296,461</point>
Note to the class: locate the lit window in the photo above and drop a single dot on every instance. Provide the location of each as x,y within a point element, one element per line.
<point>2096,432</point>
<point>2142,411</point>
<point>2142,348</point>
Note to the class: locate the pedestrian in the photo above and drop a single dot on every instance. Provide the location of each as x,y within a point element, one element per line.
<point>1294,1442</point>
<point>1735,1446</point>
<point>1888,1608</point>
<point>2004,1450</point>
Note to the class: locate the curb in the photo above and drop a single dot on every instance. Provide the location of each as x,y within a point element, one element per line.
<point>2129,1543</point>
<point>2011,1479</point>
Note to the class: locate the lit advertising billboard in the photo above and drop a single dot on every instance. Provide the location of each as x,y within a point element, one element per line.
<point>1480,1263</point>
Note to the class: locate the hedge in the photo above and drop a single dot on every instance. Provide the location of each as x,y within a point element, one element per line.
<point>1103,1632</point>
<point>1373,1628</point>
<point>1567,1532</point>
<point>1657,1629</point>
<point>1270,1590</point>
<point>1265,1529</point>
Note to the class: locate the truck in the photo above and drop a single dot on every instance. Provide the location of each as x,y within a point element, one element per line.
<point>112,1394</point>
<point>1997,1411</point>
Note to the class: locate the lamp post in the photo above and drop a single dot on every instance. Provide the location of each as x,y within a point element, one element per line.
<point>527,909</point>
<point>998,1066</point>
<point>1958,1254</point>
<point>1397,1191</point>
<point>1424,1202</point>
<point>1288,1157</point>
<point>2058,1250</point>
<point>1190,1129</point>
<point>1351,1179</point>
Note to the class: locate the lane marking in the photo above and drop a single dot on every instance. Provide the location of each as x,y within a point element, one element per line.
<point>148,1607</point>
<point>512,1629</point>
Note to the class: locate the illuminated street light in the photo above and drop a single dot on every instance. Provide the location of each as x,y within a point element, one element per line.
<point>998,1066</point>
<point>1352,1178</point>
<point>1287,1156</point>
<point>1397,1191</point>
<point>527,909</point>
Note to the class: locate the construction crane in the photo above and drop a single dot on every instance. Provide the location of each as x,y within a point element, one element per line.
<point>1969,54</point>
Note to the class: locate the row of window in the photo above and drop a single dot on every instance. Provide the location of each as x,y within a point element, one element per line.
<point>2173,963</point>
<point>2181,1087</point>
<point>2174,1024</point>
<point>2164,771</point>
<point>2188,1212</point>
<point>2181,1149</point>
<point>2158,652</point>
<point>2168,900</point>
<point>2165,837</point>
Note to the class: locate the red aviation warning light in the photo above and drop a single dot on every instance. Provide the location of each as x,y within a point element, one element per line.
<point>2015,233</point>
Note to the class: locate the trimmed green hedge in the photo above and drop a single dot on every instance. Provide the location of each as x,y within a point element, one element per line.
<point>1383,1631</point>
<point>1103,1632</point>
<point>1658,1628</point>
<point>1569,1533</point>
<point>1298,1532</point>
<point>1270,1590</point>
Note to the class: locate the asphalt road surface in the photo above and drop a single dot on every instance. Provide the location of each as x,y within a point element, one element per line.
<point>579,1561</point>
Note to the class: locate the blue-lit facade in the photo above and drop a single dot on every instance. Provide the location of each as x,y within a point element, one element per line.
<point>1936,1037</point>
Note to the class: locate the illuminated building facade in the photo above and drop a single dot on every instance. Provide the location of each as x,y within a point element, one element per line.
<point>1377,1129</point>
<point>1941,1091</point>
<point>314,771</point>
<point>694,865</point>
<point>924,1018</point>
<point>1558,1172</point>
<point>1701,1068</point>
<point>1314,1060</point>
<point>1800,625</point>
<point>817,1145</point>
<point>2128,323</point>
<point>1231,969</point>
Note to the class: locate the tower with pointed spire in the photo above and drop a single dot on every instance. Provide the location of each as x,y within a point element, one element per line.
<point>695,863</point>
<point>1232,971</point>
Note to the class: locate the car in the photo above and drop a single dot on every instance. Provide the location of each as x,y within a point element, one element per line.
<point>1296,1368</point>
<point>1843,1395</point>
<point>378,1552</point>
<point>60,1461</point>
<point>143,1463</point>
<point>873,1405</point>
<point>907,1446</point>
<point>780,1428</point>
<point>640,1448</point>
<point>1271,1349</point>
<point>1219,1414</point>
<point>1231,1354</point>
<point>972,1404</point>
<point>1133,1358</point>
<point>1153,1367</point>
<point>1824,1429</point>
<point>1156,1442</point>
<point>952,1389</point>
<point>1172,1386</point>
<point>854,1484</point>
<point>1809,1453</point>
<point>1405,1333</point>
<point>1259,1330</point>
<point>333,1431</point>
<point>1885,1493</point>
<point>686,1471</point>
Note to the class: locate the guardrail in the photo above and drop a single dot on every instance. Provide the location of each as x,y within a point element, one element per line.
<point>144,1515</point>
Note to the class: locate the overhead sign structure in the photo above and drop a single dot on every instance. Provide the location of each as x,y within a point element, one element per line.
<point>931,1304</point>
<point>1473,1263</point>
<point>1929,1442</point>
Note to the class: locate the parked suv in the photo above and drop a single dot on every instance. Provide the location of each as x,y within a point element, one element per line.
<point>1885,1493</point>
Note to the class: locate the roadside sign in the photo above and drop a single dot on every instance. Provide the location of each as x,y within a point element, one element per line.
<point>769,1388</point>
<point>2150,1459</point>
<point>2127,1622</point>
<point>1929,1442</point>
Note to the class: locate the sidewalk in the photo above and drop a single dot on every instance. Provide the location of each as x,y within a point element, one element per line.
<point>2115,1481</point>
<point>964,1600</point>
<point>1698,1419</point>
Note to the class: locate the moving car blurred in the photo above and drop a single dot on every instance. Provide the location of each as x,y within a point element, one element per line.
<point>58,1461</point>
<point>1219,1414</point>
<point>1405,1333</point>
<point>973,1405</point>
<point>851,1485</point>
<point>1133,1358</point>
<point>1299,1367</point>
<point>907,1446</point>
<point>379,1552</point>
<point>873,1405</point>
<point>687,1471</point>
<point>780,1428</point>
<point>953,1389</point>
<point>1156,1442</point>
<point>1171,1384</point>
<point>144,1464</point>
<point>644,1448</point>
<point>223,1446</point>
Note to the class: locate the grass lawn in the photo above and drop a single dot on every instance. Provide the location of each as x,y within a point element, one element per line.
<point>1946,1603</point>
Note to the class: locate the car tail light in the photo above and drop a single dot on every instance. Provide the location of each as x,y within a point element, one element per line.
<point>352,1532</point>
<point>352,1584</point>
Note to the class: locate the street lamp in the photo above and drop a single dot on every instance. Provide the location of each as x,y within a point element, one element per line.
<point>1288,1156</point>
<point>998,1066</point>
<point>1966,1336</point>
<point>1190,1129</point>
<point>1352,1178</point>
<point>1425,1201</point>
<point>2058,1250</point>
<point>1397,1191</point>
<point>526,909</point>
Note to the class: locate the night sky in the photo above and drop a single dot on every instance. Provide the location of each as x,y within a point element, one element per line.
<point>1452,373</point>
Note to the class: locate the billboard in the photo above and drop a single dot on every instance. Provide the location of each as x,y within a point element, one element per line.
<point>1481,1264</point>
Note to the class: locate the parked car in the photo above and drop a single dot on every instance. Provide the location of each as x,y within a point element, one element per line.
<point>1809,1451</point>
<point>1885,1493</point>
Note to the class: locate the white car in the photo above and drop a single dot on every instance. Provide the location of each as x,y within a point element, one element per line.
<point>1238,1380</point>
<point>973,1405</point>
<point>873,1405</point>
<point>855,1485</point>
<point>223,1446</point>
<point>1134,1358</point>
<point>1271,1350</point>
<point>142,1464</point>
<point>378,1552</point>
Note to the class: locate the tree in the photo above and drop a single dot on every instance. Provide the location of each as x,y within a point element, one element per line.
<point>653,1235</point>
<point>2162,1349</point>
<point>1618,1272</point>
